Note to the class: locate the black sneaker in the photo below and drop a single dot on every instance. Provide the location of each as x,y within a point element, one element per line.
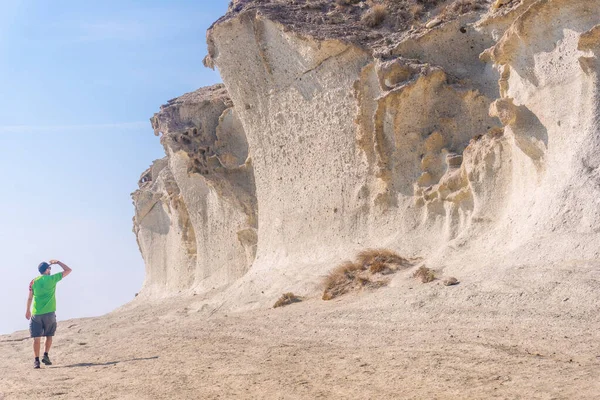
<point>36,364</point>
<point>46,360</point>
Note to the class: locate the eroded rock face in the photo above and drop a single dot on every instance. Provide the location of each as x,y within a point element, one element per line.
<point>196,209</point>
<point>473,123</point>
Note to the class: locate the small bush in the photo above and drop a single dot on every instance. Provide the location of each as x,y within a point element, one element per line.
<point>365,272</point>
<point>341,280</point>
<point>374,16</point>
<point>287,299</point>
<point>372,256</point>
<point>416,10</point>
<point>425,274</point>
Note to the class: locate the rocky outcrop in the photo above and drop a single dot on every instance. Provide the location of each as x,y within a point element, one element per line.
<point>474,126</point>
<point>196,208</point>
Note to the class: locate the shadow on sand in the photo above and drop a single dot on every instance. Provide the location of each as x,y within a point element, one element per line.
<point>106,363</point>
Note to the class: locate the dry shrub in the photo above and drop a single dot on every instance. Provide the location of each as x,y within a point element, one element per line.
<point>365,272</point>
<point>425,274</point>
<point>342,279</point>
<point>287,299</point>
<point>374,15</point>
<point>416,10</point>
<point>379,268</point>
<point>371,256</point>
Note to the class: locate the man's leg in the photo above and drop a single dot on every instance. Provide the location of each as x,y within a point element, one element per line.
<point>37,331</point>
<point>46,358</point>
<point>36,346</point>
<point>50,329</point>
<point>36,351</point>
<point>48,343</point>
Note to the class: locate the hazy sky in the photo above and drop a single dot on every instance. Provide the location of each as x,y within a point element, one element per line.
<point>78,82</point>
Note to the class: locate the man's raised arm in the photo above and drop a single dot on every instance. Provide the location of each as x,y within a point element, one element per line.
<point>66,269</point>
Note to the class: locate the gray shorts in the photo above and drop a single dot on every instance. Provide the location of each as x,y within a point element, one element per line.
<point>42,325</point>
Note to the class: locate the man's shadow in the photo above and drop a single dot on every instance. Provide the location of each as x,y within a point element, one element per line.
<point>106,363</point>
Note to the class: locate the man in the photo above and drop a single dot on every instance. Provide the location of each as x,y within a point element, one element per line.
<point>43,317</point>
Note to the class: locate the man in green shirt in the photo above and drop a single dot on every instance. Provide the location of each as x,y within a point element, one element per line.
<point>43,314</point>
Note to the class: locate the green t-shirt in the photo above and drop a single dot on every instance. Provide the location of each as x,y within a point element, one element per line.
<point>44,289</point>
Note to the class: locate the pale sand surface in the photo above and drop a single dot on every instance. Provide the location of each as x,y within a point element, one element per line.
<point>508,340</point>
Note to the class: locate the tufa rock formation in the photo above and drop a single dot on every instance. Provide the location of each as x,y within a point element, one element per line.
<point>465,132</point>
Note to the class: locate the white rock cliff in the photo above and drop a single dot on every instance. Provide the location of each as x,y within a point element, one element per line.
<point>470,139</point>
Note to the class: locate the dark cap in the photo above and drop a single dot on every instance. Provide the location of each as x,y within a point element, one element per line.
<point>43,267</point>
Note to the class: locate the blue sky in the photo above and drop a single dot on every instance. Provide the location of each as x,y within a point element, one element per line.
<point>78,82</point>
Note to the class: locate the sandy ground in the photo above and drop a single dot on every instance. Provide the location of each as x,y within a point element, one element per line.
<point>406,341</point>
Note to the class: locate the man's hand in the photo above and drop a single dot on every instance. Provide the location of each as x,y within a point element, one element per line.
<point>28,314</point>
<point>66,269</point>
